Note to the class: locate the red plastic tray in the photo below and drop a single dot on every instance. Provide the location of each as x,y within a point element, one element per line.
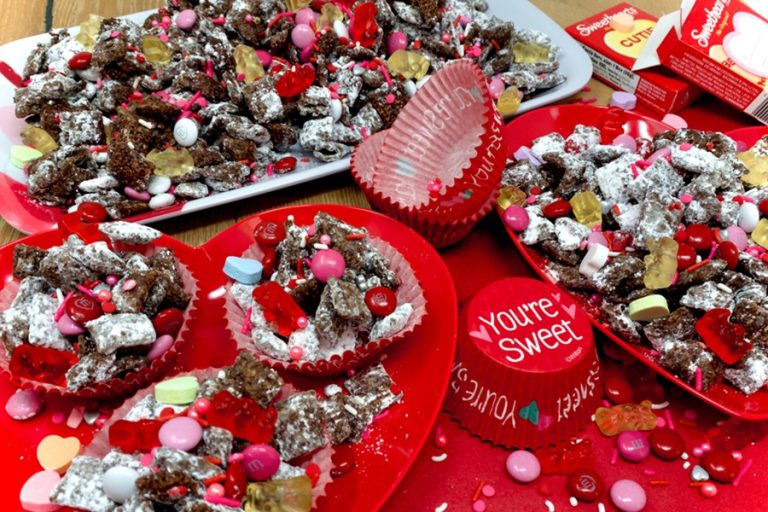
<point>383,458</point>
<point>563,119</point>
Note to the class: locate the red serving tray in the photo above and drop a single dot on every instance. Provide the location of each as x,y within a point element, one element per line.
<point>396,438</point>
<point>563,119</point>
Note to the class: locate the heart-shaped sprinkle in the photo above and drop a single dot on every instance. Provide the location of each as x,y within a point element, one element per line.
<point>530,412</point>
<point>699,474</point>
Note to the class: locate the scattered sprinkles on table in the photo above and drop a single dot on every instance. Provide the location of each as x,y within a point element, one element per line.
<point>211,96</point>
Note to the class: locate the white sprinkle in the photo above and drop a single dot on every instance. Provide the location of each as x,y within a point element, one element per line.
<point>442,508</point>
<point>350,409</point>
<point>686,465</point>
<point>320,247</point>
<point>573,501</point>
<point>146,124</point>
<point>130,145</point>
<point>613,254</point>
<point>301,281</point>
<point>550,506</point>
<point>684,456</point>
<point>439,458</point>
<point>59,296</point>
<point>290,218</point>
<point>724,288</point>
<point>593,417</point>
<point>303,242</point>
<point>658,407</point>
<point>600,507</point>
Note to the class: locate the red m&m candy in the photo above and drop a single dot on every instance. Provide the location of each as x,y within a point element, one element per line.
<point>666,444</point>
<point>82,308</point>
<point>700,237</point>
<point>269,233</point>
<point>285,164</point>
<point>80,61</point>
<point>557,208</point>
<point>381,301</point>
<point>585,484</point>
<point>618,390</point>
<point>168,321</point>
<point>720,465</point>
<point>92,212</point>
<point>686,256</point>
<point>729,253</point>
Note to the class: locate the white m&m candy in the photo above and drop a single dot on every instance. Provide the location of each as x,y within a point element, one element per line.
<point>749,216</point>
<point>185,132</point>
<point>596,257</point>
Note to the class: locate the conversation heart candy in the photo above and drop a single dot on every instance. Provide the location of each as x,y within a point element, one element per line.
<point>55,453</point>
<point>243,270</point>
<point>648,308</point>
<point>177,391</point>
<point>35,495</point>
<point>21,155</point>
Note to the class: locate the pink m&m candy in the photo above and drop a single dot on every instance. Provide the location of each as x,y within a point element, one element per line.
<point>264,57</point>
<point>628,496</point>
<point>260,461</point>
<point>186,19</point>
<point>302,35</point>
<point>516,218</point>
<point>69,327</point>
<point>738,236</point>
<point>182,433</point>
<point>305,16</point>
<point>633,446</point>
<point>24,404</point>
<point>523,466</point>
<point>160,346</point>
<point>327,263</point>
<point>397,41</point>
<point>496,87</point>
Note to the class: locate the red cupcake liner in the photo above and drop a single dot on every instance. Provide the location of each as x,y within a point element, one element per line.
<point>515,406</point>
<point>99,446</point>
<point>113,388</point>
<point>408,292</point>
<point>448,134</point>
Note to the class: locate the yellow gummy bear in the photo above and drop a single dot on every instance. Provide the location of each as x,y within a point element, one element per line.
<point>328,14</point>
<point>587,208</point>
<point>295,5</point>
<point>509,196</point>
<point>171,162</point>
<point>757,164</point>
<point>292,495</point>
<point>38,139</point>
<point>660,263</point>
<point>411,65</point>
<point>247,63</point>
<point>760,234</point>
<point>509,101</point>
<point>529,53</point>
<point>156,51</point>
<point>89,31</point>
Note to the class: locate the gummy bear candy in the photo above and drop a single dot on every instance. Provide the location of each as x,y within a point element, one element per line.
<point>279,307</point>
<point>329,14</point>
<point>135,436</point>
<point>38,139</point>
<point>725,339</point>
<point>89,31</point>
<point>236,483</point>
<point>411,65</point>
<point>363,27</point>
<point>613,420</point>
<point>509,196</point>
<point>509,101</point>
<point>247,63</point>
<point>156,51</point>
<point>660,263</point>
<point>566,457</point>
<point>41,363</point>
<point>760,234</point>
<point>587,209</point>
<point>292,495</point>
<point>529,53</point>
<point>756,161</point>
<point>171,162</point>
<point>244,417</point>
<point>294,82</point>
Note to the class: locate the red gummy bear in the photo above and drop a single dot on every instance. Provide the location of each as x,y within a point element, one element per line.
<point>135,436</point>
<point>725,339</point>
<point>613,125</point>
<point>295,81</point>
<point>244,417</point>
<point>42,364</point>
<point>363,27</point>
<point>236,482</point>
<point>279,307</point>
<point>566,457</point>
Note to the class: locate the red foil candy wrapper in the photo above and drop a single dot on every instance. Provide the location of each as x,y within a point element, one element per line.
<point>527,374</point>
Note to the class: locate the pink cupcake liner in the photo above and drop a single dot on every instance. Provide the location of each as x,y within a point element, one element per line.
<point>409,292</point>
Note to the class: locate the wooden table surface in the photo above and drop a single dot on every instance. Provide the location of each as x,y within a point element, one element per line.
<point>31,17</point>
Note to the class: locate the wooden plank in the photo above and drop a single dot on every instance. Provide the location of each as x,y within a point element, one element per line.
<point>21,19</point>
<point>67,13</point>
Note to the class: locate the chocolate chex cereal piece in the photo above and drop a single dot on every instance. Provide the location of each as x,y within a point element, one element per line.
<point>130,233</point>
<point>375,387</point>
<point>299,428</point>
<point>253,379</point>
<point>81,486</point>
<point>121,330</point>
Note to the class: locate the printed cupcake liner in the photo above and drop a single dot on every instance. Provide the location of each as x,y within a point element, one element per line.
<point>100,446</point>
<point>409,292</point>
<point>113,388</point>
<point>440,156</point>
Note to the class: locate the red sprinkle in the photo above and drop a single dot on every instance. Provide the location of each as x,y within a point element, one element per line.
<point>355,236</point>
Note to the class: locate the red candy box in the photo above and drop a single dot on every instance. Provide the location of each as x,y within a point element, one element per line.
<point>527,374</point>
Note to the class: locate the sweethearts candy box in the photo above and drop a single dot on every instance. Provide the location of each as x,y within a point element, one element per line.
<point>719,45</point>
<point>614,47</point>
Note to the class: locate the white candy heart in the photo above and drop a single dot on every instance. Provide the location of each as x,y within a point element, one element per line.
<point>747,44</point>
<point>596,257</point>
